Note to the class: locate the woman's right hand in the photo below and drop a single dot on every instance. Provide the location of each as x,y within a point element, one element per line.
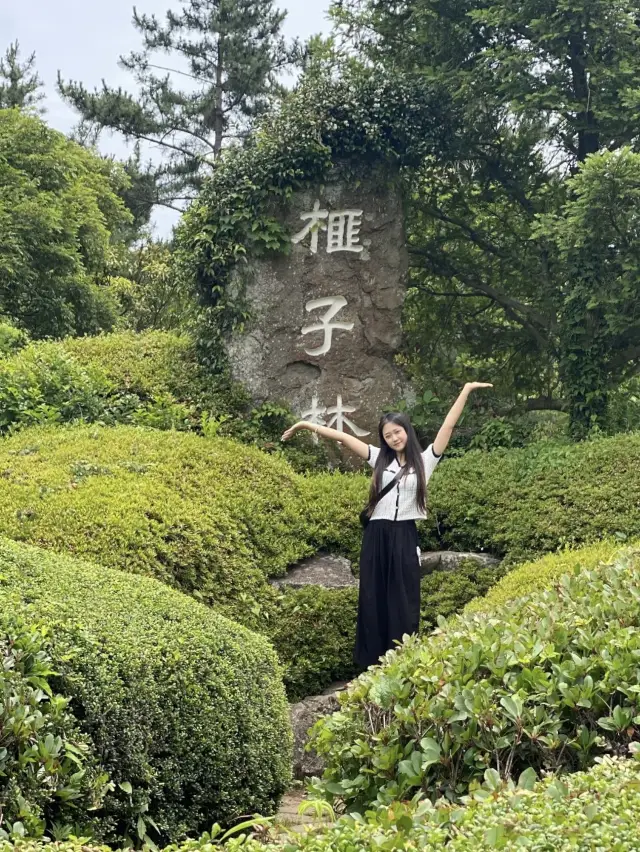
<point>291,431</point>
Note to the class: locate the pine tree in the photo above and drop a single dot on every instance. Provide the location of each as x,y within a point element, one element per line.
<point>228,53</point>
<point>20,84</point>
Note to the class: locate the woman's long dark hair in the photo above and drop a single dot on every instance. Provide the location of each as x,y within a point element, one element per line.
<point>413,456</point>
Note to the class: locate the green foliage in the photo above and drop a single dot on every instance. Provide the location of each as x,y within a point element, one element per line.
<point>541,87</point>
<point>444,593</point>
<point>521,503</point>
<point>210,517</point>
<point>20,84</point>
<point>48,777</point>
<point>548,682</point>
<point>314,630</point>
<point>150,292</point>
<point>59,206</point>
<point>588,810</point>
<point>151,379</point>
<point>12,338</point>
<point>595,237</point>
<point>542,573</point>
<point>42,384</point>
<point>183,709</point>
<point>360,117</point>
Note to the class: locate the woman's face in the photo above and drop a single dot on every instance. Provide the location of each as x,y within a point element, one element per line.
<point>395,436</point>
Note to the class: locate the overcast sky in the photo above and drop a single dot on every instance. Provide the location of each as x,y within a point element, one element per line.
<point>84,38</point>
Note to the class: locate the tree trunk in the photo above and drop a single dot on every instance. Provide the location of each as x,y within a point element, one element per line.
<point>586,124</point>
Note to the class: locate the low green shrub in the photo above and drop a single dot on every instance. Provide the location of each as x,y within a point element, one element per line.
<point>523,503</point>
<point>183,709</point>
<point>150,379</point>
<point>542,573</point>
<point>549,682</point>
<point>444,593</point>
<point>48,779</point>
<point>11,338</point>
<point>594,810</point>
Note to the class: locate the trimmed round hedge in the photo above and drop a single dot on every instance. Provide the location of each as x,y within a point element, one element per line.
<point>213,518</point>
<point>523,503</point>
<point>183,709</point>
<point>549,682</point>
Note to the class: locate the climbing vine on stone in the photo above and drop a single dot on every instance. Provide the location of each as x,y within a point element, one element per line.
<point>360,119</point>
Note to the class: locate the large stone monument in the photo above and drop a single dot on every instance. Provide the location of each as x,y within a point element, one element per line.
<point>326,319</point>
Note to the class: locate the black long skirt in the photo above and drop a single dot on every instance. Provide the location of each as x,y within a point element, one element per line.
<point>389,599</point>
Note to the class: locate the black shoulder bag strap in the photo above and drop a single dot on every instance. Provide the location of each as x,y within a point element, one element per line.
<point>365,516</point>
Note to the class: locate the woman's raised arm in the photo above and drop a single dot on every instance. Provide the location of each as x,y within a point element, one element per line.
<point>354,444</point>
<point>444,435</point>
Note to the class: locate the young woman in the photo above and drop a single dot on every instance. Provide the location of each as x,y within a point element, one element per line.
<point>389,600</point>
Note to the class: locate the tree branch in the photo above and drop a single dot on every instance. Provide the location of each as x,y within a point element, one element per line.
<point>522,314</point>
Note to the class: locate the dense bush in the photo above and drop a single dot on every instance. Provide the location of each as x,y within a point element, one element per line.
<point>526,502</point>
<point>47,777</point>
<point>151,379</point>
<point>549,681</point>
<point>184,710</point>
<point>12,339</point>
<point>594,810</point>
<point>213,518</point>
<point>542,573</point>
<point>443,593</point>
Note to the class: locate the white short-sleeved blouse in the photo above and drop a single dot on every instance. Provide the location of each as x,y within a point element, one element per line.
<point>400,503</point>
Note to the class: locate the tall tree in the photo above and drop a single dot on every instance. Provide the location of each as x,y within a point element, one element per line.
<point>60,207</point>
<point>544,84</point>
<point>20,85</point>
<point>228,56</point>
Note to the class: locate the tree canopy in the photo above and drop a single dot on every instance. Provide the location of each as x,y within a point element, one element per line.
<point>60,212</point>
<point>202,75</point>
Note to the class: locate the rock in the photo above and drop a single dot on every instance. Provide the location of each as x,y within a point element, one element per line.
<point>331,572</point>
<point>303,716</point>
<point>449,560</point>
<point>326,318</point>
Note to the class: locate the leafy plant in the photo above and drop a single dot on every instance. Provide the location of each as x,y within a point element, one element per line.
<point>49,777</point>
<point>182,708</point>
<point>548,682</point>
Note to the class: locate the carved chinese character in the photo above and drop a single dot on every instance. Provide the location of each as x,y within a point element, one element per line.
<point>334,305</point>
<point>313,226</point>
<point>342,226</point>
<point>315,414</point>
<point>343,231</point>
<point>340,421</point>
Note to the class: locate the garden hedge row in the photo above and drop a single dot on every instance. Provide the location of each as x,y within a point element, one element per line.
<point>593,810</point>
<point>182,708</point>
<point>213,518</point>
<point>524,503</point>
<point>549,681</point>
<point>150,379</point>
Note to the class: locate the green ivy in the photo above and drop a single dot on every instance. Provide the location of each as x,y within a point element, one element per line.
<point>361,119</point>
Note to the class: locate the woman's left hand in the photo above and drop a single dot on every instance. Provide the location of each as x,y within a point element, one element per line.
<point>471,386</point>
